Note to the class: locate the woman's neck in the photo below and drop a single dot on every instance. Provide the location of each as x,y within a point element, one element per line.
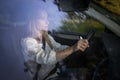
<point>39,37</point>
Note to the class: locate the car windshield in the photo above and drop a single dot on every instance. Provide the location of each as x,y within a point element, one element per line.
<point>16,13</point>
<point>18,17</point>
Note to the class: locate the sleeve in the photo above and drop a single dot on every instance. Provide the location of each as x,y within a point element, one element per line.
<point>31,46</point>
<point>48,58</point>
<point>35,51</point>
<point>57,46</point>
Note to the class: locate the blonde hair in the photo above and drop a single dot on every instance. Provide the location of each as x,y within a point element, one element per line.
<point>33,29</point>
<point>35,10</point>
<point>33,26</point>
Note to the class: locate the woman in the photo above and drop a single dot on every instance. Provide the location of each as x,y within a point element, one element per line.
<point>42,49</point>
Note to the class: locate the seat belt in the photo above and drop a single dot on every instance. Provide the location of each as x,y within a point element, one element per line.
<point>43,42</point>
<point>36,74</point>
<point>39,65</point>
<point>47,39</point>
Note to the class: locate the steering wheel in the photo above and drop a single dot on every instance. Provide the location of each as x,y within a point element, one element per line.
<point>90,34</point>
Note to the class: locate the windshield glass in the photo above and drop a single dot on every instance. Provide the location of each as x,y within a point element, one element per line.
<point>21,19</point>
<point>19,13</point>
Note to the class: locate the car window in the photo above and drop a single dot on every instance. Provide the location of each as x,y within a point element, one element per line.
<point>71,21</point>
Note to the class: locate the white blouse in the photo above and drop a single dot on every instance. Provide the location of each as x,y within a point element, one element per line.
<point>32,50</point>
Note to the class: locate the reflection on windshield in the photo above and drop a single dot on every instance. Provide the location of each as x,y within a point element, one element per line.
<point>22,11</point>
<point>15,16</point>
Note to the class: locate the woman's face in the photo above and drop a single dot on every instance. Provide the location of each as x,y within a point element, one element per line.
<point>42,21</point>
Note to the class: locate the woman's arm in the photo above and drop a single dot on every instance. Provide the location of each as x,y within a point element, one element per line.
<point>62,51</point>
<point>33,49</point>
<point>80,45</point>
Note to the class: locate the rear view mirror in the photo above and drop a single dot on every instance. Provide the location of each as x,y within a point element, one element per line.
<point>72,5</point>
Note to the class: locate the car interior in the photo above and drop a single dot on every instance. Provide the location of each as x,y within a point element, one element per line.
<point>69,21</point>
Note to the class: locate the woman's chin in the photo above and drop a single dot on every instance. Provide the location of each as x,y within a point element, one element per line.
<point>44,30</point>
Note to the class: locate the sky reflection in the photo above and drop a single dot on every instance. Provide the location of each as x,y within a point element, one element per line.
<point>19,11</point>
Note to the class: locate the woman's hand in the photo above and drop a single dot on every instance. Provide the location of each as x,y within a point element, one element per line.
<point>82,45</point>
